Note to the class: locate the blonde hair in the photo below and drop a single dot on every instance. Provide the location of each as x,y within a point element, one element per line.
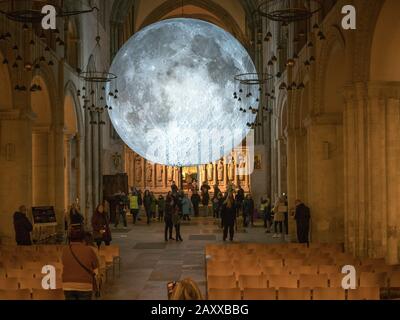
<point>186,290</point>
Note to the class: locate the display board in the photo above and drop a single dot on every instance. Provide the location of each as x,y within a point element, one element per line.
<point>44,216</point>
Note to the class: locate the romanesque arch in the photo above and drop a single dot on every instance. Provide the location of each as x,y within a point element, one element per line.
<point>213,8</point>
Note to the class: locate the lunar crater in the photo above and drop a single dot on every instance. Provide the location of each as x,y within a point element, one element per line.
<point>176,80</point>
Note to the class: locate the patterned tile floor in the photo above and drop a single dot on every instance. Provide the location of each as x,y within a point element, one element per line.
<point>148,263</point>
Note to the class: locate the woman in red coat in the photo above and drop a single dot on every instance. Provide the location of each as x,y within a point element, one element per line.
<point>101,226</point>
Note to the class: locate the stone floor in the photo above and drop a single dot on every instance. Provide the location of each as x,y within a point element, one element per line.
<point>148,263</point>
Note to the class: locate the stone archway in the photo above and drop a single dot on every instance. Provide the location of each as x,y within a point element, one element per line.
<point>214,9</point>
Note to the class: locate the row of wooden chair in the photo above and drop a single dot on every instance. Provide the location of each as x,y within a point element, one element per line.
<point>26,273</point>
<point>26,283</point>
<point>35,294</point>
<point>241,268</point>
<point>288,294</point>
<point>301,281</point>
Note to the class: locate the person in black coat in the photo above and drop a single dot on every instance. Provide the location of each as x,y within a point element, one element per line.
<point>147,201</point>
<point>23,227</point>
<point>248,211</point>
<point>75,217</point>
<point>229,217</point>
<point>168,214</point>
<point>196,202</point>
<point>239,200</point>
<point>302,217</point>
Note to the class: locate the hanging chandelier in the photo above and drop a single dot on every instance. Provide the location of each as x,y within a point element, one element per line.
<point>99,85</point>
<point>248,91</point>
<point>30,11</point>
<point>288,11</point>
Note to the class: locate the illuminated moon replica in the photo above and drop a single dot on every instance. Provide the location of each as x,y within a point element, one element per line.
<point>176,87</point>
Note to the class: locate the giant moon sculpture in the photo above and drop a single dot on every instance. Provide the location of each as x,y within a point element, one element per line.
<point>176,87</point>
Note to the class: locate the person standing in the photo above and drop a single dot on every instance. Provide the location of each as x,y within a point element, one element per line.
<point>286,214</point>
<point>248,211</point>
<point>302,217</point>
<point>279,217</point>
<point>239,200</point>
<point>169,207</point>
<point>75,217</point>
<point>23,227</point>
<point>187,208</point>
<point>161,208</point>
<point>134,205</point>
<point>140,203</point>
<point>122,207</point>
<point>220,204</point>
<point>176,220</point>
<point>147,202</point>
<point>153,205</point>
<point>101,226</point>
<point>205,196</point>
<point>196,202</point>
<point>174,189</point>
<point>266,206</point>
<point>215,202</point>
<point>80,265</point>
<point>229,217</point>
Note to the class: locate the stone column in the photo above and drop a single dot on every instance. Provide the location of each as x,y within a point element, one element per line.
<point>372,148</point>
<point>15,168</point>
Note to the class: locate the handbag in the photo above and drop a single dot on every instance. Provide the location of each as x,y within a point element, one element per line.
<point>96,285</point>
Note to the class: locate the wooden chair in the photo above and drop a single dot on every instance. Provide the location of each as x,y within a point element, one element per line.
<point>212,264</point>
<point>364,294</point>
<point>9,284</point>
<point>221,282</point>
<point>255,271</point>
<point>259,294</point>
<point>252,282</point>
<point>15,295</point>
<point>48,295</point>
<point>328,269</point>
<point>329,294</point>
<point>224,294</point>
<point>364,269</point>
<point>276,270</point>
<point>305,270</point>
<point>369,279</point>
<point>373,262</point>
<point>20,274</point>
<point>315,261</point>
<point>32,283</point>
<point>294,262</point>
<point>283,281</point>
<point>313,281</point>
<point>290,294</point>
<point>220,271</point>
<point>247,260</point>
<point>275,263</point>
<point>335,280</point>
<point>384,269</point>
<point>394,284</point>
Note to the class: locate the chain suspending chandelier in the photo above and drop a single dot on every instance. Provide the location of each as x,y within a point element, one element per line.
<point>99,85</point>
<point>26,46</point>
<point>248,91</point>
<point>288,11</point>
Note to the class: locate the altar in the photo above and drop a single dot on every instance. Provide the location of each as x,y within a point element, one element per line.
<point>232,169</point>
